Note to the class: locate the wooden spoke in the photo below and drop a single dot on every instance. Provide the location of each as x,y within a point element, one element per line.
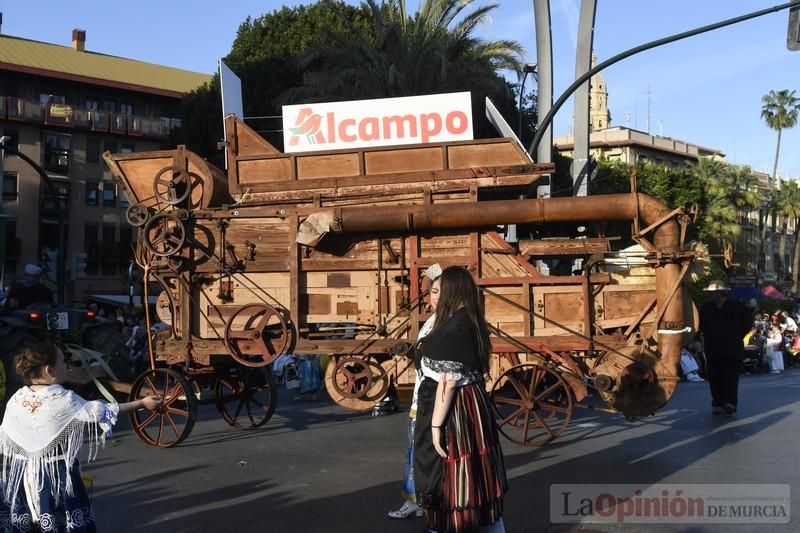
<point>177,410</point>
<point>533,404</point>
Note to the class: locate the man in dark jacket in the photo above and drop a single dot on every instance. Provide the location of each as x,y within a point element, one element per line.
<point>30,290</point>
<point>723,323</point>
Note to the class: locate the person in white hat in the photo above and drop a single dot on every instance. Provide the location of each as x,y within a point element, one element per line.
<point>723,323</point>
<point>30,290</point>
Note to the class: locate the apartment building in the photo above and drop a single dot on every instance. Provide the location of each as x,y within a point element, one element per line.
<point>63,106</point>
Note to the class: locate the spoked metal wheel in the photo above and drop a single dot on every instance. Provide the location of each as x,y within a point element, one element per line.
<point>173,419</point>
<point>533,404</point>
<point>246,398</point>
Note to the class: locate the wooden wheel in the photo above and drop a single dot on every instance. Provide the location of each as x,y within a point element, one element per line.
<point>164,235</point>
<point>256,335</point>
<point>170,422</point>
<point>352,377</point>
<point>380,380</point>
<point>533,404</point>
<point>246,398</point>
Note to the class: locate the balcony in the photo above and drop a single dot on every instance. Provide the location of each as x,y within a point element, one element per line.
<point>68,116</point>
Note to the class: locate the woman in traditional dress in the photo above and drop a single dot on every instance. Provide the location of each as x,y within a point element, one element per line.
<point>410,507</point>
<point>40,438</point>
<point>458,464</point>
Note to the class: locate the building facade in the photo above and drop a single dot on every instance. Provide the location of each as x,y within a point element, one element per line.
<point>63,106</point>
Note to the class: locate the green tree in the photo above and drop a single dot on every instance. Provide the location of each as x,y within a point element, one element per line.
<point>264,55</point>
<point>780,110</point>
<point>433,51</point>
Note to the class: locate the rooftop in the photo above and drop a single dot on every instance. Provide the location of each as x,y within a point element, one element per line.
<point>65,62</point>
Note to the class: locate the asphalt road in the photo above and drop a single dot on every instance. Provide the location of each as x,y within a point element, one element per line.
<point>317,468</point>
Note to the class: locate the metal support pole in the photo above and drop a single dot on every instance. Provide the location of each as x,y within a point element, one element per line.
<point>544,91</point>
<point>583,62</point>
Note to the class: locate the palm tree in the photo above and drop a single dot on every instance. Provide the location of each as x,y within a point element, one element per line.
<point>743,193</point>
<point>790,208</point>
<point>780,110</point>
<point>720,220</point>
<point>434,51</point>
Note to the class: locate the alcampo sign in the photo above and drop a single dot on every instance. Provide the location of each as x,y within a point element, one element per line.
<point>387,121</point>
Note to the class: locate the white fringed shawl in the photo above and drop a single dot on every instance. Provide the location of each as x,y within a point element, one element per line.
<point>39,429</point>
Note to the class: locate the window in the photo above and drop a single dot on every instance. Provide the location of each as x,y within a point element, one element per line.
<point>56,152</point>
<point>92,104</point>
<point>126,109</point>
<point>92,150</point>
<point>52,99</point>
<point>110,145</point>
<point>58,201</point>
<point>91,249</point>
<point>13,138</point>
<point>92,198</point>
<point>109,194</point>
<point>110,250</point>
<point>109,105</point>
<point>123,200</point>
<point>127,148</point>
<point>10,186</point>
<point>125,244</point>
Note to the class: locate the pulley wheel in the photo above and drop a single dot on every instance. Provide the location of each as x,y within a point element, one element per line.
<point>137,215</point>
<point>256,335</point>
<point>164,235</point>
<point>172,184</point>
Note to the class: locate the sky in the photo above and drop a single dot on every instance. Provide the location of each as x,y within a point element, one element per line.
<point>705,90</point>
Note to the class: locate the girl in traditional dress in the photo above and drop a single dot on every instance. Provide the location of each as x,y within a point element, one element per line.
<point>410,507</point>
<point>459,472</point>
<point>40,438</point>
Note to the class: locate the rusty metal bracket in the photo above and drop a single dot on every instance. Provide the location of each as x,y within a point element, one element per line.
<point>671,293</point>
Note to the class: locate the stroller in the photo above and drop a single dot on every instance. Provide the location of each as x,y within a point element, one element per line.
<point>755,355</point>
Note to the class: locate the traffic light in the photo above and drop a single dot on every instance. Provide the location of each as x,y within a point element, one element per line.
<point>78,265</point>
<point>793,35</point>
<point>50,262</point>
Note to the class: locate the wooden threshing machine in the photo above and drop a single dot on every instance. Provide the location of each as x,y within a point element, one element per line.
<point>323,253</point>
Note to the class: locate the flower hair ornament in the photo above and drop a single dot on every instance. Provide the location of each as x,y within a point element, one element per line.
<point>433,272</point>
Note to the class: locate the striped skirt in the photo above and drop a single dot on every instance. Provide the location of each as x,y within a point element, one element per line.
<point>471,482</point>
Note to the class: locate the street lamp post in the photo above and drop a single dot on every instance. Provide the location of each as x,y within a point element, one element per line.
<point>529,68</point>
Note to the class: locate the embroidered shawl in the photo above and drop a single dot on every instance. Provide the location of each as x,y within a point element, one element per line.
<point>452,351</point>
<point>42,427</point>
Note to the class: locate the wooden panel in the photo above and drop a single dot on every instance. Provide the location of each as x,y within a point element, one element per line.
<point>563,305</point>
<point>141,173</point>
<point>338,280</point>
<point>622,303</point>
<point>484,155</point>
<point>315,304</point>
<point>415,159</point>
<point>320,166</point>
<point>260,170</point>
<point>347,308</point>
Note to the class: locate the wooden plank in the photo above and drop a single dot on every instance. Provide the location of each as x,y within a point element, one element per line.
<point>315,304</point>
<point>411,160</point>
<point>294,274</point>
<point>347,308</point>
<point>314,166</point>
<point>264,170</point>
<point>563,247</point>
<point>477,155</point>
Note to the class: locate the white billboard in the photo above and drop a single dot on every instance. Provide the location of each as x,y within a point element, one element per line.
<point>387,121</point>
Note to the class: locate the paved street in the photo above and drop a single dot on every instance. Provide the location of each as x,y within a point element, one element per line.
<point>315,467</point>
